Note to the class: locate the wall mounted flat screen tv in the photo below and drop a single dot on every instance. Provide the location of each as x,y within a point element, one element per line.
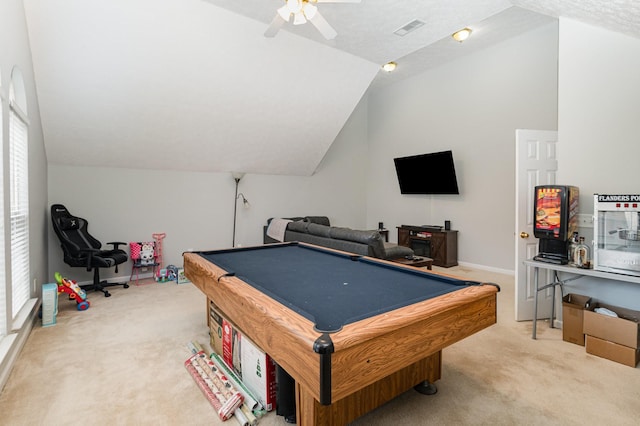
<point>432,173</point>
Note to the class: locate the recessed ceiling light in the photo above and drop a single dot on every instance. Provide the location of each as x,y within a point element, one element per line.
<point>462,35</point>
<point>389,66</point>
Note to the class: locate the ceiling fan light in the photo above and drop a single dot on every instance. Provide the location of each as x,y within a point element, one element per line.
<point>309,10</point>
<point>284,13</point>
<point>294,6</point>
<point>299,19</point>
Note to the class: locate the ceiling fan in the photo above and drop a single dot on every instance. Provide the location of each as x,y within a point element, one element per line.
<point>303,11</point>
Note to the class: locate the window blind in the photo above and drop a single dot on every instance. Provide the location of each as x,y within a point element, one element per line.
<point>3,279</point>
<point>19,195</point>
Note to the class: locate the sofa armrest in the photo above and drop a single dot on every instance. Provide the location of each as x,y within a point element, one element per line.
<point>394,251</point>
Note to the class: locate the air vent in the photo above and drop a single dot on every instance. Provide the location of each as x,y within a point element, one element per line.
<point>407,28</point>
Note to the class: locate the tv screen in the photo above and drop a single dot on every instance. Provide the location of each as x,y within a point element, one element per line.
<point>432,173</point>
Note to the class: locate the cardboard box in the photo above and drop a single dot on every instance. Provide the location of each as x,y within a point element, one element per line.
<point>617,339</point>
<point>231,349</point>
<point>225,338</point>
<point>215,329</point>
<point>622,330</point>
<point>573,306</point>
<point>181,278</point>
<point>255,368</point>
<point>259,373</point>
<point>613,351</point>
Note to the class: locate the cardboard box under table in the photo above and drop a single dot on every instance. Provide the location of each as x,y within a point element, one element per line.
<point>255,368</point>
<point>573,306</point>
<point>617,339</point>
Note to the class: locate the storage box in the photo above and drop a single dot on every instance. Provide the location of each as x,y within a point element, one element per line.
<point>573,306</point>
<point>613,351</point>
<point>619,337</point>
<point>225,338</point>
<point>215,329</point>
<point>259,373</point>
<point>255,368</point>
<point>49,304</point>
<point>231,348</point>
<point>181,278</point>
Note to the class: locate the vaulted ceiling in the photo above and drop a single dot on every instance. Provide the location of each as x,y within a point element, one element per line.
<point>195,85</point>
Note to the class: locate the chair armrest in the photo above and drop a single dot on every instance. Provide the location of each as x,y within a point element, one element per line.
<point>90,252</point>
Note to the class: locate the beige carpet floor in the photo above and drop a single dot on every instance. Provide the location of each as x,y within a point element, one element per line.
<point>121,363</point>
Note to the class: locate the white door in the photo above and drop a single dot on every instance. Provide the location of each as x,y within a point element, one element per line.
<point>536,164</point>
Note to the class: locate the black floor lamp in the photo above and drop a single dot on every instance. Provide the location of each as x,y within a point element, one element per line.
<point>237,176</point>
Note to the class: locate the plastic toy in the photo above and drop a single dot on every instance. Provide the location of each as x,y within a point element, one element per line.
<point>147,254</point>
<point>160,275</point>
<point>143,255</point>
<point>172,272</point>
<point>74,291</point>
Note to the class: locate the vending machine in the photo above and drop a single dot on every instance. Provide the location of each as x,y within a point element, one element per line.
<point>555,212</point>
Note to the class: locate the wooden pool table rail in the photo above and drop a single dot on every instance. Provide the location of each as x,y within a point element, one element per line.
<point>404,342</point>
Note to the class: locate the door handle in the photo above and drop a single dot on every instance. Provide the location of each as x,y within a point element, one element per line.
<point>524,235</point>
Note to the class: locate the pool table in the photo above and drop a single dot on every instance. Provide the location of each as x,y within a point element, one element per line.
<point>353,331</point>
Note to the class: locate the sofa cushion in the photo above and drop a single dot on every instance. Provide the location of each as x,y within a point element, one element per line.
<point>298,226</point>
<point>320,220</point>
<point>319,230</point>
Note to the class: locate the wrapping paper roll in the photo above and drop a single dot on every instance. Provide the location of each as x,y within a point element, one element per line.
<point>222,395</point>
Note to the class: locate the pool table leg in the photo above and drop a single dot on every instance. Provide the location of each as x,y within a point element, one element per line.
<point>426,388</point>
<point>310,412</point>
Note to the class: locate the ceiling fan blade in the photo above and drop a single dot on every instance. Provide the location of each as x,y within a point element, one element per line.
<point>274,27</point>
<point>323,26</point>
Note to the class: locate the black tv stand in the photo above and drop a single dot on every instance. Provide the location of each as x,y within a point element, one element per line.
<point>422,226</point>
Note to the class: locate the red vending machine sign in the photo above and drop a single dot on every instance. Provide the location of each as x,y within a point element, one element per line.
<point>548,209</point>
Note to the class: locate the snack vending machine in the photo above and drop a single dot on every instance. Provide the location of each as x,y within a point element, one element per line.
<point>616,231</point>
<point>555,212</point>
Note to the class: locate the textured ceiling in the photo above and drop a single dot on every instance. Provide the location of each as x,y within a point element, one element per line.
<point>194,85</point>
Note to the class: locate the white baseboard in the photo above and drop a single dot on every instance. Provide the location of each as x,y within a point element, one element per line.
<point>488,268</point>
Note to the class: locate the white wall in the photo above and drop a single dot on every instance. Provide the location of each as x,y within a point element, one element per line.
<point>195,210</point>
<point>598,128</point>
<point>15,51</point>
<point>472,106</point>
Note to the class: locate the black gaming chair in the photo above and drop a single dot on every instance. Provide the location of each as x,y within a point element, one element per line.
<point>81,249</point>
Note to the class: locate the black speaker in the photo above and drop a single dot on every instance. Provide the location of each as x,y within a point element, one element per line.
<point>447,225</point>
<point>380,225</point>
<point>285,395</point>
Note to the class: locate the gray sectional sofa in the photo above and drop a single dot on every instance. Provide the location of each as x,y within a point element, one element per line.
<point>317,230</point>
